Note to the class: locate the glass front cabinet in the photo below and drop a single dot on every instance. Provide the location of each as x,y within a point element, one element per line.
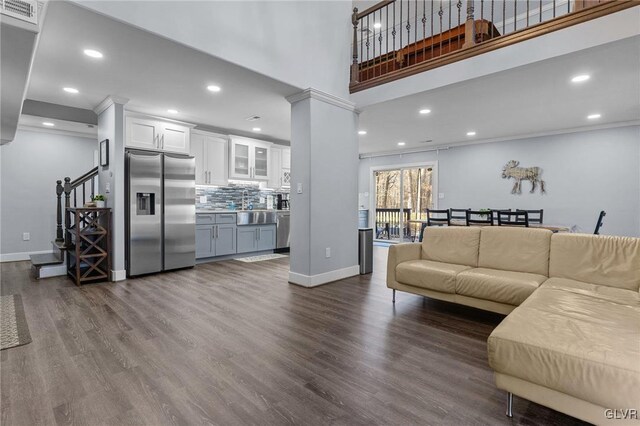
<point>249,159</point>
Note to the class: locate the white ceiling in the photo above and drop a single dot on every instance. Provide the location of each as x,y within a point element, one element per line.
<point>155,74</point>
<point>526,101</point>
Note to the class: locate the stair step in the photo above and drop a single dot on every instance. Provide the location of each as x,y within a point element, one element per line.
<point>39,260</point>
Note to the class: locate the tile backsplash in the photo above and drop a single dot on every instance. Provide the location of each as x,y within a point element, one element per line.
<point>219,197</point>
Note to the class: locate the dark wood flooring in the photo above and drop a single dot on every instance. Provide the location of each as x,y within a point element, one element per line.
<point>233,343</point>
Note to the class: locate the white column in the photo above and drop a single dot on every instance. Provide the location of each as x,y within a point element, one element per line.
<point>112,177</point>
<point>324,188</point>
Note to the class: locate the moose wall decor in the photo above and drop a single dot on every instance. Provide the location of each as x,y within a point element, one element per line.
<point>532,174</point>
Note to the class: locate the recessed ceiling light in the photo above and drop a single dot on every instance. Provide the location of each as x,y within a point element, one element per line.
<point>70,90</point>
<point>362,132</point>
<point>594,116</point>
<point>213,88</point>
<point>471,133</point>
<point>377,25</point>
<point>580,78</point>
<point>256,129</point>
<point>48,124</point>
<point>92,53</point>
<point>401,143</point>
<point>425,111</point>
<point>172,111</point>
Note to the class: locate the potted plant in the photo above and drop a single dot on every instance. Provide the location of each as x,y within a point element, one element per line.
<point>100,201</point>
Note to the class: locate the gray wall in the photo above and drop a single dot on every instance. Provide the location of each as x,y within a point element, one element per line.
<point>584,172</point>
<point>31,164</point>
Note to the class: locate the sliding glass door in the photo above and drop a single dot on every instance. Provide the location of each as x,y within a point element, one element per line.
<point>402,197</point>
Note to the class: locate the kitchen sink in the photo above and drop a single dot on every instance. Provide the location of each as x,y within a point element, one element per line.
<point>250,217</point>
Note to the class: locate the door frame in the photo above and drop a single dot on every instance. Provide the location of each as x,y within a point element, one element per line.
<point>372,187</point>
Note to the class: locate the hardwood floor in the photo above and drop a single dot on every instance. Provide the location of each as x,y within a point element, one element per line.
<point>234,343</point>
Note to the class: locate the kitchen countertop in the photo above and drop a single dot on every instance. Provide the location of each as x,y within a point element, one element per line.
<point>212,211</point>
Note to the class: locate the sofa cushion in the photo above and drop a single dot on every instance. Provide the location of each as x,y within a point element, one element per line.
<point>603,292</point>
<point>596,259</point>
<point>500,286</point>
<point>584,346</point>
<point>431,275</point>
<point>453,244</point>
<point>515,249</point>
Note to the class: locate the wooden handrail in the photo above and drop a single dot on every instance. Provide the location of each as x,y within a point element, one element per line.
<point>66,188</point>
<point>84,178</point>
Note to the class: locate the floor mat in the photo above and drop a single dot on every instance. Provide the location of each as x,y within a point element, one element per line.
<point>14,330</point>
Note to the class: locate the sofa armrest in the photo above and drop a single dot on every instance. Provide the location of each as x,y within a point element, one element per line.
<point>399,253</point>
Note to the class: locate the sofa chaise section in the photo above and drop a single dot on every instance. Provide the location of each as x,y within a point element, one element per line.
<point>574,344</point>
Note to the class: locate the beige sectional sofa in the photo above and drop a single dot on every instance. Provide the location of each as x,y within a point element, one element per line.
<point>571,339</point>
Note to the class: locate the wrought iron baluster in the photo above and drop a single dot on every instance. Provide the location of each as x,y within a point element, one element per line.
<point>93,187</point>
<point>449,16</point>
<point>408,26</point>
<point>568,6</point>
<point>440,13</point>
<point>493,3</point>
<point>504,16</point>
<point>431,15</point>
<point>415,31</point>
<point>400,25</point>
<point>540,11</point>
<point>380,45</point>
<point>75,198</point>
<point>424,28</point>
<point>393,34</point>
<point>367,44</point>
<point>386,39</point>
<point>373,39</point>
<point>84,196</point>
<point>354,62</point>
<point>554,8</point>
<point>527,14</point>
<point>515,14</point>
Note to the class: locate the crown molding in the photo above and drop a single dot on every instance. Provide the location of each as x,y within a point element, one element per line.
<point>319,95</point>
<point>108,101</point>
<point>514,138</point>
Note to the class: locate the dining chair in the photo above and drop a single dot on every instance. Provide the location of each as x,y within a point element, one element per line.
<point>535,216</point>
<point>458,214</point>
<point>478,218</point>
<point>599,223</point>
<point>438,217</point>
<point>513,219</point>
<point>494,214</point>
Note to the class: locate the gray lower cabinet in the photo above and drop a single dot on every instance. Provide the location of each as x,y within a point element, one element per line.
<point>256,238</point>
<point>215,235</point>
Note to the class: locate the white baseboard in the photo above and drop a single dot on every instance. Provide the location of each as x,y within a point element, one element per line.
<point>324,278</point>
<point>52,271</point>
<point>120,275</point>
<point>17,257</point>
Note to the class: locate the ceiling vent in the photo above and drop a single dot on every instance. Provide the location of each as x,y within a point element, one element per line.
<point>25,10</point>
<point>253,118</point>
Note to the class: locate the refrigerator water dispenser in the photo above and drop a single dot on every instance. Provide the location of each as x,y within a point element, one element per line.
<point>145,204</point>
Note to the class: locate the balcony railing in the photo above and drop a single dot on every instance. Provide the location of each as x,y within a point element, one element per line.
<point>398,38</point>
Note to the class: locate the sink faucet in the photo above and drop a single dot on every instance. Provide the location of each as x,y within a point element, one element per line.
<point>245,194</point>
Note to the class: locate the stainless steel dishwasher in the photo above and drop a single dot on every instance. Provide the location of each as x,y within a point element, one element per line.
<point>283,228</point>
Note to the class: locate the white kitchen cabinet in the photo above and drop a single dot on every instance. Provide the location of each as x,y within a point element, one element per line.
<point>280,173</point>
<point>249,159</point>
<point>157,135</point>
<point>210,152</point>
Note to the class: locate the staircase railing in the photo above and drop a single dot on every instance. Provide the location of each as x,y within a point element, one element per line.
<point>86,181</point>
<point>398,38</point>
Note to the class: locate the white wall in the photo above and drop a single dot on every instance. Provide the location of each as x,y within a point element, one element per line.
<point>584,173</point>
<point>302,43</point>
<point>31,164</point>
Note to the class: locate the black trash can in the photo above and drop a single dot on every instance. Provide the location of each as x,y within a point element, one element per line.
<point>365,250</point>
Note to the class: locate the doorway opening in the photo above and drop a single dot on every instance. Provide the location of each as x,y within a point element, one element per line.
<point>402,197</point>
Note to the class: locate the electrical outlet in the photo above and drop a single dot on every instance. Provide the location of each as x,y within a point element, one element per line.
<point>327,252</point>
<point>299,188</point>
<point>26,236</point>
<point>441,195</point>
<point>107,187</point>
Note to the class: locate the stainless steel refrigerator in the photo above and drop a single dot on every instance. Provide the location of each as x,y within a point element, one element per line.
<point>161,212</point>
